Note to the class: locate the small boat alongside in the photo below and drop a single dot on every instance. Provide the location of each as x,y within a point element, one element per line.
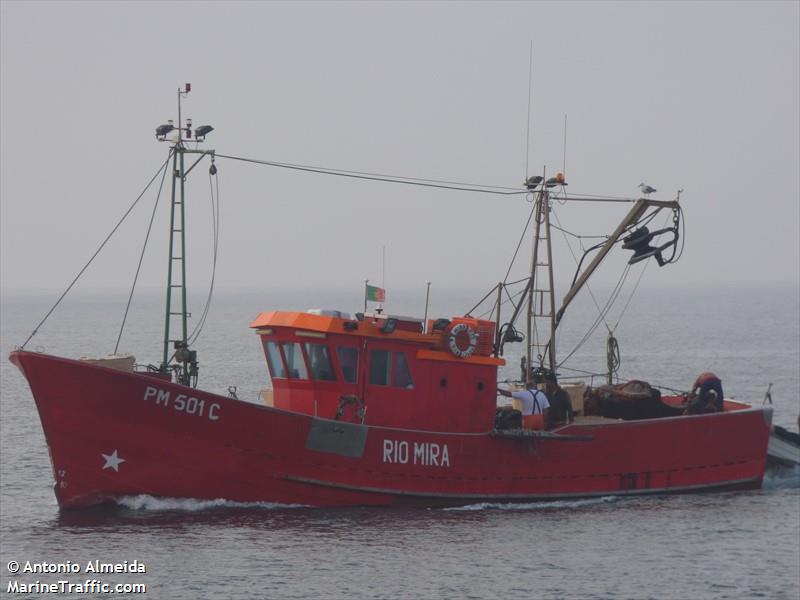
<point>784,448</point>
<point>377,409</point>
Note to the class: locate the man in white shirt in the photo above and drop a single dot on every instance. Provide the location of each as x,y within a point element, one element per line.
<point>533,400</point>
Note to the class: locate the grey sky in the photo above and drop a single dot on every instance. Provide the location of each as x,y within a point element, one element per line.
<point>699,96</point>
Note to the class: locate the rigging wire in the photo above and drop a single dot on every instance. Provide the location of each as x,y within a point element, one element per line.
<point>574,197</point>
<point>508,271</point>
<point>635,287</point>
<point>638,281</point>
<point>580,237</point>
<point>581,372</point>
<point>141,255</point>
<point>575,258</point>
<point>612,349</point>
<point>102,245</point>
<point>215,226</point>
<point>509,298</point>
<point>601,318</point>
<point>519,244</point>
<point>433,183</point>
<point>503,302</point>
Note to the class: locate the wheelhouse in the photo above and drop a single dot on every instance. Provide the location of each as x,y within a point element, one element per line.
<point>382,369</point>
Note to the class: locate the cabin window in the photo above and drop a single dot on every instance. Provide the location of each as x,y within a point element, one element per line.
<point>274,360</point>
<point>319,362</point>
<point>348,361</point>
<point>401,376</point>
<point>295,363</point>
<point>380,364</point>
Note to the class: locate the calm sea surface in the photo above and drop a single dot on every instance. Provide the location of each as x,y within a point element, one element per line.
<point>723,545</point>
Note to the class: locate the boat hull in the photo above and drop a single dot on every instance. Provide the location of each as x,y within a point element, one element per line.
<point>783,451</point>
<point>113,434</point>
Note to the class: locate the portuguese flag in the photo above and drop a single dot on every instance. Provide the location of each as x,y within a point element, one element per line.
<point>375,294</point>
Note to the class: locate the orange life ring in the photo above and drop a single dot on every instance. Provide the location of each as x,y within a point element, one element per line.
<point>462,340</point>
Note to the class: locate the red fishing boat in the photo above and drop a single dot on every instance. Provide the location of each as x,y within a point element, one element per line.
<point>378,409</point>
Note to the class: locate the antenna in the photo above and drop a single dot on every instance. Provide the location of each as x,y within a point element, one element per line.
<point>564,163</point>
<point>383,267</point>
<point>528,131</point>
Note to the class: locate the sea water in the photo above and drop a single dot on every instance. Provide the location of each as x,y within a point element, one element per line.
<point>717,545</point>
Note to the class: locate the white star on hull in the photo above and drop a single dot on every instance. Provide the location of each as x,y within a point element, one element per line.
<point>113,461</point>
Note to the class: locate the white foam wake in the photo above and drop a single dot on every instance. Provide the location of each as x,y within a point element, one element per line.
<point>782,478</point>
<point>536,505</point>
<point>152,503</point>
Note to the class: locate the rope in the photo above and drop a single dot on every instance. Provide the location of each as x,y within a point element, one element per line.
<point>613,360</point>
<point>86,266</point>
<point>141,255</point>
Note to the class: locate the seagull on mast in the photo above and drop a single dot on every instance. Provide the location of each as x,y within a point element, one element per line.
<point>646,189</point>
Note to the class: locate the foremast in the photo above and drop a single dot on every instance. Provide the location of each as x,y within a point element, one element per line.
<point>177,356</point>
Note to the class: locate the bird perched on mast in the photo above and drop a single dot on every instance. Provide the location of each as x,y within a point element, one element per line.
<point>646,189</point>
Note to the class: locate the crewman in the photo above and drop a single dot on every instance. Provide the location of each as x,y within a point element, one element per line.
<point>533,400</point>
<point>706,395</point>
<point>560,411</point>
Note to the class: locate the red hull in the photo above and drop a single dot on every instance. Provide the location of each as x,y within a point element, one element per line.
<point>113,434</point>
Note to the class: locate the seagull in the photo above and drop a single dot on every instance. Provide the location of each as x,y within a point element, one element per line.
<point>646,189</point>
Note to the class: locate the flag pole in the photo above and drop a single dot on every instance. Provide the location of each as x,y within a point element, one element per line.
<point>425,319</point>
<point>366,284</point>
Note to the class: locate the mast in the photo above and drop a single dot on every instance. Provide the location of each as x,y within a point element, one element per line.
<point>176,353</point>
<point>540,287</point>
<point>539,292</point>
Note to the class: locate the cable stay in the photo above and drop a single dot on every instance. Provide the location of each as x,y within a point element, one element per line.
<point>141,254</point>
<point>432,183</point>
<point>102,245</point>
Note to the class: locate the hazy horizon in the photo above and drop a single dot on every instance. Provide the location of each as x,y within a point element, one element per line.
<point>699,96</point>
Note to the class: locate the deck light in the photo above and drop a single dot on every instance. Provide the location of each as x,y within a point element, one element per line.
<point>389,326</point>
<point>440,324</point>
<point>201,132</point>
<point>163,130</point>
<point>533,182</point>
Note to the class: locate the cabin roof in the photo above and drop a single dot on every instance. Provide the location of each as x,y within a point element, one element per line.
<point>369,327</point>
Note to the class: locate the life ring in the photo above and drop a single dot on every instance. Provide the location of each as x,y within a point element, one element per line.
<point>462,340</point>
<point>347,400</point>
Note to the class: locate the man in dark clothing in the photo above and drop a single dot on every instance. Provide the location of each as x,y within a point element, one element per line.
<point>560,412</point>
<point>706,395</point>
